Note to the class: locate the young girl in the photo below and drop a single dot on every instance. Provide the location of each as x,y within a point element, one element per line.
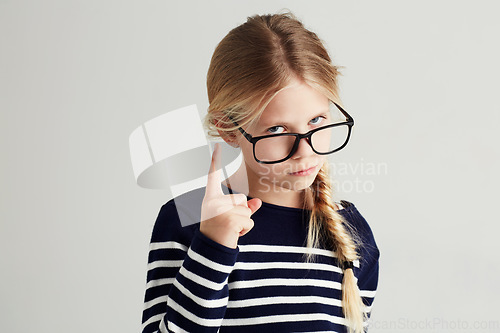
<point>266,249</point>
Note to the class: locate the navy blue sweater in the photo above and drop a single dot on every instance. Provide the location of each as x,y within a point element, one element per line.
<point>195,284</point>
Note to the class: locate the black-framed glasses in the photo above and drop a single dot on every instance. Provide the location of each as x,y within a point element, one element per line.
<point>324,140</point>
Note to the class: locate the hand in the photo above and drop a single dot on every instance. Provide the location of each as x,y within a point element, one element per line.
<point>225,217</point>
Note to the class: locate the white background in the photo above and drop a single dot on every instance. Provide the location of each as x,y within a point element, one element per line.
<point>420,79</point>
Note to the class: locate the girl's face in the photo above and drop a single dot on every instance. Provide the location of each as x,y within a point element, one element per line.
<point>296,109</point>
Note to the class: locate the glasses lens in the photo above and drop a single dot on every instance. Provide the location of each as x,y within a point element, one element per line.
<point>329,139</point>
<point>274,148</point>
<point>324,141</point>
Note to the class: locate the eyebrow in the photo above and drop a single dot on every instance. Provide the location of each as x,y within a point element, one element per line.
<point>280,122</point>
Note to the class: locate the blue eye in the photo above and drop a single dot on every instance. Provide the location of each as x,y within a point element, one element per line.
<point>319,118</point>
<point>272,132</point>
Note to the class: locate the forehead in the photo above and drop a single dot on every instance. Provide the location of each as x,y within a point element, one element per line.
<point>292,116</point>
<point>294,104</point>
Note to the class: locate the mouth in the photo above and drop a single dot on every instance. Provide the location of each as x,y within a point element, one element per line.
<point>304,172</point>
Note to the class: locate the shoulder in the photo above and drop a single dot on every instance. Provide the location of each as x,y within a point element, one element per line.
<point>179,217</point>
<point>359,225</point>
<point>353,216</point>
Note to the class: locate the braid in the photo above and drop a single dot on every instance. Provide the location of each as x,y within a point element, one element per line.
<point>328,226</point>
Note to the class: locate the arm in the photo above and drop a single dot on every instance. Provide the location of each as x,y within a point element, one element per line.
<point>368,271</point>
<point>187,278</point>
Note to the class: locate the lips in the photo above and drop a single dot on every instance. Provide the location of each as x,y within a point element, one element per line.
<point>304,170</point>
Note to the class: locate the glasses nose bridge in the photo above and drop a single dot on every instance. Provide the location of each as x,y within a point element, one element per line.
<point>298,138</point>
<point>306,136</point>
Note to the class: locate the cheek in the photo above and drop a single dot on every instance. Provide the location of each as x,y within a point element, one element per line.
<point>272,170</point>
<point>322,160</point>
<point>247,151</point>
<point>263,170</point>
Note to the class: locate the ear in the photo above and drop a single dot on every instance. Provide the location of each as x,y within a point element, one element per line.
<point>230,139</point>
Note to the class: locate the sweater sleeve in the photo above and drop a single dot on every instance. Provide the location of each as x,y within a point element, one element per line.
<point>187,278</point>
<point>368,271</point>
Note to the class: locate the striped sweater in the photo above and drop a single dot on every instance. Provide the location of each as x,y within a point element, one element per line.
<point>195,284</point>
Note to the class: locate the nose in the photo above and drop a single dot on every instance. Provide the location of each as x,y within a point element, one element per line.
<point>304,149</point>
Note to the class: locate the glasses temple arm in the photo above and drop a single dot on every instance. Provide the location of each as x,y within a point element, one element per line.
<point>344,112</point>
<point>245,134</point>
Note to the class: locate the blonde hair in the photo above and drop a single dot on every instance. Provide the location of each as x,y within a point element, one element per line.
<point>250,65</point>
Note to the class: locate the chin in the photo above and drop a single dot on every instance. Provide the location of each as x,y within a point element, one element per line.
<point>295,184</point>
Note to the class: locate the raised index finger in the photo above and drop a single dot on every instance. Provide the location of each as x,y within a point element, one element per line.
<point>214,187</point>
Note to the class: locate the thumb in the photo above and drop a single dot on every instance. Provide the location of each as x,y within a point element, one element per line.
<point>254,204</point>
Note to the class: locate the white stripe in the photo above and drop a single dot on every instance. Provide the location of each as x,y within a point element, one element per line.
<point>289,249</point>
<point>194,318</point>
<point>284,249</point>
<point>367,293</point>
<point>159,282</point>
<point>163,328</point>
<point>165,263</point>
<point>167,245</point>
<point>284,282</point>
<point>152,320</point>
<point>254,301</point>
<point>175,328</point>
<point>209,263</point>
<point>250,302</point>
<point>283,318</point>
<point>206,303</point>
<point>286,265</point>
<point>155,301</point>
<point>201,280</point>
<point>284,300</point>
